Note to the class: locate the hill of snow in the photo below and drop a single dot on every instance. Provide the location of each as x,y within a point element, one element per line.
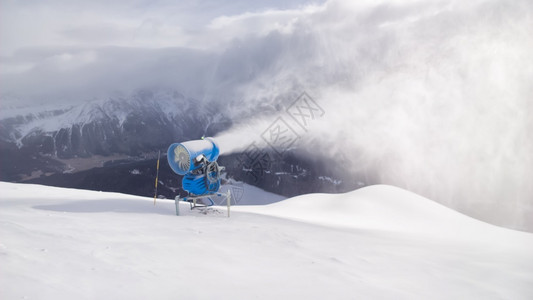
<point>383,208</point>
<point>379,242</point>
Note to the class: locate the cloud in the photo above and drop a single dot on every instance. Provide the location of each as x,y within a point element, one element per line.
<point>152,24</point>
<point>81,74</point>
<point>76,50</point>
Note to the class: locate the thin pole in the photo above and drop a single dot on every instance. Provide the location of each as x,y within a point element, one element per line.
<point>157,175</point>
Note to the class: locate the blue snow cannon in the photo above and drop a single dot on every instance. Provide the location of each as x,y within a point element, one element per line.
<point>197,162</point>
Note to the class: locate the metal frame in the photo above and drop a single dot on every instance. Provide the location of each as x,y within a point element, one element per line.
<point>193,204</point>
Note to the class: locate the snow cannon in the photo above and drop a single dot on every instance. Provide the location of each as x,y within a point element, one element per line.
<point>196,161</point>
<point>186,157</point>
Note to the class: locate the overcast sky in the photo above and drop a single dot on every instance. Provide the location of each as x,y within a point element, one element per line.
<point>153,24</point>
<point>58,48</point>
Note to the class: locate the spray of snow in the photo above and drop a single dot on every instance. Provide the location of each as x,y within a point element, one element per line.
<point>435,96</point>
<point>242,135</point>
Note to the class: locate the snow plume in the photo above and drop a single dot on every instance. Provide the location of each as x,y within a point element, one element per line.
<point>434,96</point>
<point>240,137</point>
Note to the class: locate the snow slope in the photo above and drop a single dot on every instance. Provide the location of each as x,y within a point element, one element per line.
<point>383,208</point>
<point>379,242</point>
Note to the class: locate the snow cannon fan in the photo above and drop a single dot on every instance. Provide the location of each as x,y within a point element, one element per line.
<point>197,162</point>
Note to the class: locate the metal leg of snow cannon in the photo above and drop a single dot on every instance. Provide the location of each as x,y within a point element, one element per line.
<point>192,200</point>
<point>193,204</point>
<point>228,200</point>
<point>177,202</point>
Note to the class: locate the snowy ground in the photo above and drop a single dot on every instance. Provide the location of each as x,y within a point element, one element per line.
<point>379,242</point>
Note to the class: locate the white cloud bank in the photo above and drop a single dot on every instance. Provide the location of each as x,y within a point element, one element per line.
<point>434,96</point>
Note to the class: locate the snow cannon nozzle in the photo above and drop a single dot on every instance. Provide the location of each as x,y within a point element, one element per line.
<point>187,157</point>
<point>197,162</point>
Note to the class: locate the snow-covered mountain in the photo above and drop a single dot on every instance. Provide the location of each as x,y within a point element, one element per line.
<point>378,242</point>
<point>38,139</point>
<point>128,124</point>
